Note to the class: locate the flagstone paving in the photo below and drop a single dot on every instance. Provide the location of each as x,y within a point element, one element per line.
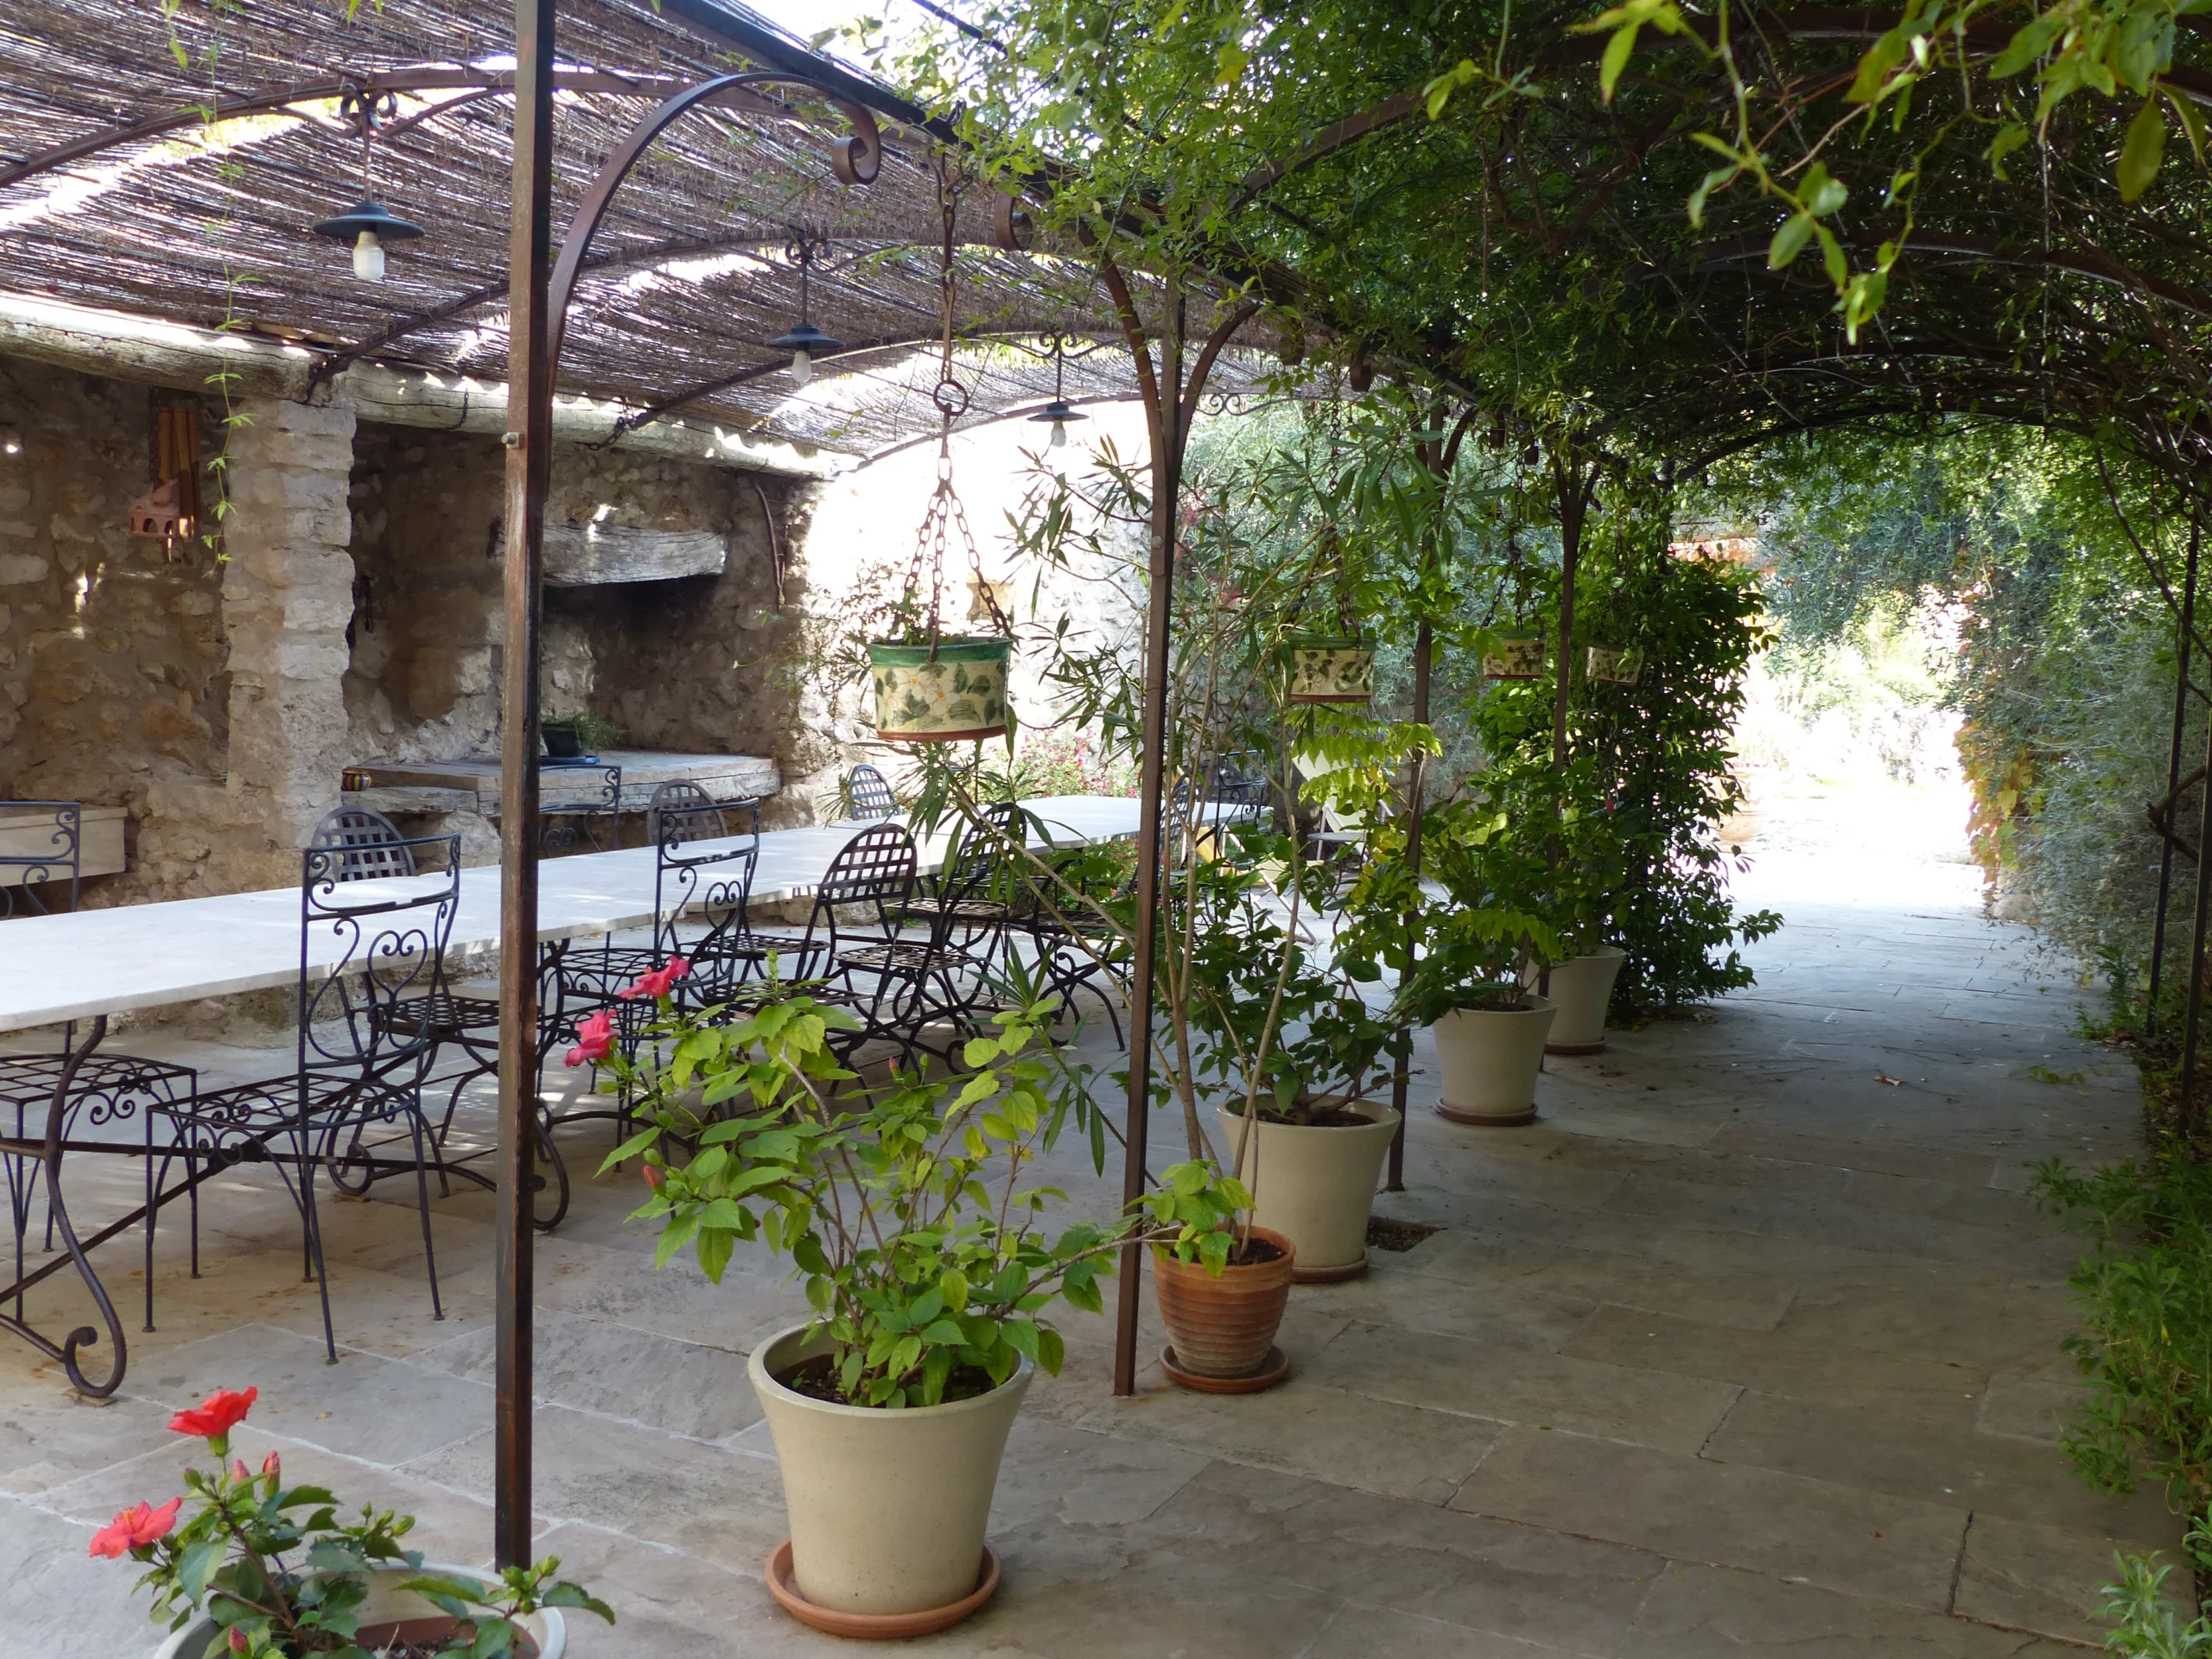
<point>1749,1345</point>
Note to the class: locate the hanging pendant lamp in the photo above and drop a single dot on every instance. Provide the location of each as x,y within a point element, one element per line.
<point>1057,413</point>
<point>368,225</point>
<point>803,339</point>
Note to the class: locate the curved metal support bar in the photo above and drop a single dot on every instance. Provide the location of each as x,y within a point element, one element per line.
<point>479,83</point>
<point>857,160</point>
<point>49,1155</point>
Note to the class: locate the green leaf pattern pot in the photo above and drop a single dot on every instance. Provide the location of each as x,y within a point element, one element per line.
<point>954,692</point>
<point>1331,668</point>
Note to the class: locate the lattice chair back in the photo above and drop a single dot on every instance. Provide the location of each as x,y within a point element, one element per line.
<point>869,794</point>
<point>697,814</point>
<point>371,959</point>
<point>577,796</point>
<point>368,844</point>
<point>870,881</point>
<point>42,852</point>
<point>702,867</point>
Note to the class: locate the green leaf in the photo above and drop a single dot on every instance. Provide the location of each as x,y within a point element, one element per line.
<point>2192,124</point>
<point>2010,137</point>
<point>2140,157</point>
<point>1618,51</point>
<point>1822,195</point>
<point>1052,1352</point>
<point>1790,241</point>
<point>1712,181</point>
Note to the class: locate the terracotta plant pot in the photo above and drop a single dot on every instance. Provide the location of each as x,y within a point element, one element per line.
<point>388,1605</point>
<point>1583,989</point>
<point>1315,1184</point>
<point>1223,1327</point>
<point>887,1508</point>
<point>1330,668</point>
<point>954,692</point>
<point>1488,1058</point>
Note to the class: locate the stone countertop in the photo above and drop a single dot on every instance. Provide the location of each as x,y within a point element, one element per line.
<point>473,785</point>
<point>73,967</point>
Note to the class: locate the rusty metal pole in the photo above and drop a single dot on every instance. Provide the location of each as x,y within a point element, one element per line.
<point>1166,486</point>
<point>529,457</point>
<point>2173,784</point>
<point>1402,1073</point>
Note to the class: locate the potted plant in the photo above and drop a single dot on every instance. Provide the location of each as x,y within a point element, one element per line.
<point>579,736</point>
<point>1460,963</point>
<point>257,1567</point>
<point>928,1265</point>
<point>1290,1043</point>
<point>1588,873</point>
<point>940,690</point>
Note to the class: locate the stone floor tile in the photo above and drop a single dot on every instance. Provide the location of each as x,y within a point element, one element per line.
<point>381,1410</point>
<point>1947,1464</point>
<point>1521,1316</point>
<point>1348,1440</point>
<point>48,1437</point>
<point>1418,1368</point>
<point>61,1602</point>
<point>1725,1515</point>
<point>2047,1578</point>
<point>615,1371</point>
<point>1376,1633</point>
<point>1750,1302</point>
<point>2031,1408</point>
<point>1781,1362</point>
<point>1706,1612</point>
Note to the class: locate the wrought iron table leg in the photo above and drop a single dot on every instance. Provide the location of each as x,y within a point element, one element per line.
<point>48,1152</point>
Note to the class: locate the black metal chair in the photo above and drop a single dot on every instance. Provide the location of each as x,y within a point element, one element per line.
<point>53,855</point>
<point>362,1058</point>
<point>571,800</point>
<point>854,952</point>
<point>868,795</point>
<point>365,846</point>
<point>106,1091</point>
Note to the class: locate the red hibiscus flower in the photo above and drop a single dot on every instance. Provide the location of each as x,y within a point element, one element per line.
<point>143,1525</point>
<point>658,983</point>
<point>214,1417</point>
<point>654,1176</point>
<point>596,1040</point>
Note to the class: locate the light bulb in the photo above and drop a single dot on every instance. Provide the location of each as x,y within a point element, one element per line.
<point>802,369</point>
<point>1059,439</point>
<point>368,258</point>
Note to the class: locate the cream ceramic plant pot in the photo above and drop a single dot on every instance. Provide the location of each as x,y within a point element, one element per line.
<point>387,1603</point>
<point>1315,1184</point>
<point>887,1508</point>
<point>1583,988</point>
<point>1488,1058</point>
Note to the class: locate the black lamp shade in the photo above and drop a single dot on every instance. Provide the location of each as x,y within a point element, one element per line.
<point>805,337</point>
<point>367,215</point>
<point>1057,411</point>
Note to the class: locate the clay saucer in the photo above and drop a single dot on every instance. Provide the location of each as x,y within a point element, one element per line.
<point>1597,1047</point>
<point>1486,1120</point>
<point>1335,1275</point>
<point>1273,1370</point>
<point>877,1627</point>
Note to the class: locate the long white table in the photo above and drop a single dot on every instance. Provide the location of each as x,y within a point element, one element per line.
<point>55,969</point>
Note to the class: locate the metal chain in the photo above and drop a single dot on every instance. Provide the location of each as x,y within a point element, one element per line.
<point>945,515</point>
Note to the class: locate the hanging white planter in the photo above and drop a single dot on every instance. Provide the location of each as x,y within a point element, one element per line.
<point>1518,657</point>
<point>1330,668</point>
<point>950,692</point>
<point>1613,667</point>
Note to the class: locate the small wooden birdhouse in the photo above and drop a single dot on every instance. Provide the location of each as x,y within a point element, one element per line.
<point>157,514</point>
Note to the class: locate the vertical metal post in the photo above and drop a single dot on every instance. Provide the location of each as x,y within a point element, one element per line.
<point>1571,509</point>
<point>530,456</point>
<point>2173,782</point>
<point>1166,486</point>
<point>1402,1073</point>
<point>2185,1104</point>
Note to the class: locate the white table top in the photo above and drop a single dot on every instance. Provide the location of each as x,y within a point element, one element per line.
<point>72,966</point>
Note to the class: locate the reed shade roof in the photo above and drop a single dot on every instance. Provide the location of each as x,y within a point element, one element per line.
<point>691,272</point>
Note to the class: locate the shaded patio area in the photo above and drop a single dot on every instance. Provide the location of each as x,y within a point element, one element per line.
<point>1741,1348</point>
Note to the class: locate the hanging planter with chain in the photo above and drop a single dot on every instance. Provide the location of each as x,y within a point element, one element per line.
<point>931,687</point>
<point>1331,667</point>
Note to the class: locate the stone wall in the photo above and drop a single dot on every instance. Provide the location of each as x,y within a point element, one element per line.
<point>112,677</point>
<point>698,663</point>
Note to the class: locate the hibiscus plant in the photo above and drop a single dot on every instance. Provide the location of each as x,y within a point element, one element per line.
<point>271,1568</point>
<point>926,1254</point>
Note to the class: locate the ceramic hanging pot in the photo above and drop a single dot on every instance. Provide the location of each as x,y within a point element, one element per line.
<point>1331,667</point>
<point>1613,667</point>
<point>1518,657</point>
<point>950,692</point>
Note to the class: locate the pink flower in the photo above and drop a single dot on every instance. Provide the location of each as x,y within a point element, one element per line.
<point>134,1529</point>
<point>654,1176</point>
<point>214,1417</point>
<point>271,1465</point>
<point>658,983</point>
<point>238,1640</point>
<point>595,1040</point>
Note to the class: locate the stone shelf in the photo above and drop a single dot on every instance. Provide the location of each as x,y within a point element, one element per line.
<point>473,785</point>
